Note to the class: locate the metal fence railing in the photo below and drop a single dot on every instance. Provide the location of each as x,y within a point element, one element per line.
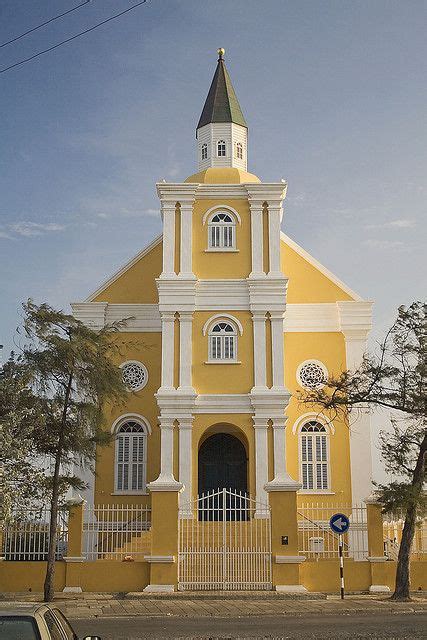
<point>316,540</point>
<point>392,535</point>
<point>115,532</point>
<point>27,537</point>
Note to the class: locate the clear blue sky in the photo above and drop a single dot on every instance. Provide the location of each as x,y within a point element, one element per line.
<point>334,93</point>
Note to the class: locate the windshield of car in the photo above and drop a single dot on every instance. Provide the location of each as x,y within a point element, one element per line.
<point>65,625</point>
<point>18,628</point>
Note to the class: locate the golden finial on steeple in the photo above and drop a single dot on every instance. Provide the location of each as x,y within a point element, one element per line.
<point>221,53</point>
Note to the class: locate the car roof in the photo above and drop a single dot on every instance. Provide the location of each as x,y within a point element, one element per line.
<point>21,608</point>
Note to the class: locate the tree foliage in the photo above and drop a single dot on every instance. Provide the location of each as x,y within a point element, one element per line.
<point>394,379</point>
<point>68,373</point>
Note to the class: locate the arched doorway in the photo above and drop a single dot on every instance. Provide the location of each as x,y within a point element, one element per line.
<point>222,464</point>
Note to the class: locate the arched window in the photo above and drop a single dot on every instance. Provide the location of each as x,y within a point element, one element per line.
<point>314,456</point>
<point>131,457</point>
<point>223,341</point>
<point>239,151</point>
<point>220,148</point>
<point>204,151</point>
<point>222,231</point>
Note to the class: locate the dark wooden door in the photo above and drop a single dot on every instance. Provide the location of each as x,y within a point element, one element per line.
<point>222,464</point>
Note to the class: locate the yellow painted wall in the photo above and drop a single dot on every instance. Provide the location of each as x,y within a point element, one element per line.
<point>113,576</point>
<point>138,283</point>
<point>145,347</point>
<point>222,378</point>
<point>221,264</point>
<point>306,282</point>
<point>329,348</point>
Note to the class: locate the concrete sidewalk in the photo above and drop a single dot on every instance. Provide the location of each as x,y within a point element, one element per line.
<point>98,605</point>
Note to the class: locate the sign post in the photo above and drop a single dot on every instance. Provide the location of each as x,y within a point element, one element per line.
<point>340,524</point>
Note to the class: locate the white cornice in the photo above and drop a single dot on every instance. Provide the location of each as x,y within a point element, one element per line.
<point>352,318</point>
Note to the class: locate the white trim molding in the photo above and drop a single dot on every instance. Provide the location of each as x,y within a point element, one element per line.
<point>125,417</point>
<point>319,417</point>
<point>221,207</point>
<point>220,316</point>
<point>160,559</point>
<point>315,263</point>
<point>289,559</point>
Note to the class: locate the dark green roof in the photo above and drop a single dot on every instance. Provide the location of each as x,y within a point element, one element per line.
<point>221,104</point>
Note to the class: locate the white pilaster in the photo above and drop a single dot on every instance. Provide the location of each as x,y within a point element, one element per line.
<point>355,323</point>
<point>277,347</point>
<point>168,320</point>
<point>186,267</point>
<point>257,235</point>
<point>185,426</point>
<point>260,371</point>
<point>261,465</point>
<point>168,215</point>
<point>275,213</point>
<point>166,480</point>
<point>186,352</point>
<point>282,481</point>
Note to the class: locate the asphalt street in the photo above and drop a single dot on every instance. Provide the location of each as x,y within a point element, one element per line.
<point>388,626</point>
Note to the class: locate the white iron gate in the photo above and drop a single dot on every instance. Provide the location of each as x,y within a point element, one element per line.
<point>224,543</point>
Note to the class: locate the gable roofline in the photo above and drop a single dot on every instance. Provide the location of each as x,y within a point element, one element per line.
<point>315,263</point>
<point>125,268</point>
<point>286,239</point>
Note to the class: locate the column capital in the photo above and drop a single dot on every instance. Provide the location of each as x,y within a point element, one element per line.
<point>259,316</point>
<point>185,423</point>
<point>277,315</point>
<point>166,423</point>
<point>260,423</point>
<point>186,316</point>
<point>278,423</point>
<point>167,316</point>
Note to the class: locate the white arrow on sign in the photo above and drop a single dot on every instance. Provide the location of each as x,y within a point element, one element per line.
<point>340,523</point>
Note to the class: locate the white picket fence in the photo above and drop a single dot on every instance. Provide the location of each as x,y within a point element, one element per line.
<point>114,532</point>
<point>27,537</point>
<point>316,539</point>
<point>392,532</point>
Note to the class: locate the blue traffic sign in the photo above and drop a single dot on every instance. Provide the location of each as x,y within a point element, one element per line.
<point>339,523</point>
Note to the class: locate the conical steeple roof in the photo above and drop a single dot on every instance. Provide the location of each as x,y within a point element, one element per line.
<point>221,104</point>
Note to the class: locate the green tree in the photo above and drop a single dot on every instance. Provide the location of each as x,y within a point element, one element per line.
<point>71,372</point>
<point>22,477</point>
<point>394,379</point>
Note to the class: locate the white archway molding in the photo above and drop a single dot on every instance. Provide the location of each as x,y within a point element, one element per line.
<point>221,208</point>
<point>131,416</point>
<point>222,316</point>
<point>318,417</point>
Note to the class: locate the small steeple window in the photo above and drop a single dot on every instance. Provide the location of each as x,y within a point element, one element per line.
<point>221,149</point>
<point>239,151</point>
<point>204,151</point>
<point>222,231</point>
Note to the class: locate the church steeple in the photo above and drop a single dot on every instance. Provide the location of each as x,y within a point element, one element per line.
<point>222,132</point>
<point>221,104</point>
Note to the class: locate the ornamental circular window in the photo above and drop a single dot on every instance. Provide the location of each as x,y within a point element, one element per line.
<point>135,375</point>
<point>312,374</point>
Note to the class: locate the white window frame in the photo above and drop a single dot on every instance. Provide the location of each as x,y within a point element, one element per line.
<point>239,150</point>
<point>221,145</point>
<point>319,364</point>
<point>219,342</point>
<point>312,436</point>
<point>221,234</point>
<point>204,151</point>
<point>133,445</point>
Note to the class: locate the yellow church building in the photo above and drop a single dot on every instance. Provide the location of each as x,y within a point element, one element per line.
<point>228,319</point>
